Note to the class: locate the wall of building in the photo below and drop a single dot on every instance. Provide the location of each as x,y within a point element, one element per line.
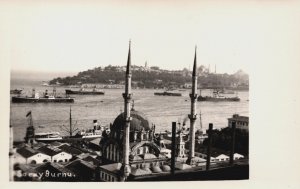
<point>107,177</point>
<point>61,157</point>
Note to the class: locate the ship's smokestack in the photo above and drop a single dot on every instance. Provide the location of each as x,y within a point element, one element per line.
<point>33,93</point>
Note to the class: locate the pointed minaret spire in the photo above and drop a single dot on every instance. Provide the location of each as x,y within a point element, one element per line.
<point>193,115</point>
<point>128,68</point>
<point>195,63</point>
<point>126,129</point>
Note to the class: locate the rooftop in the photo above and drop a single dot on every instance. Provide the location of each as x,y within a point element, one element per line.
<point>114,167</point>
<point>50,150</point>
<point>70,149</point>
<point>26,152</point>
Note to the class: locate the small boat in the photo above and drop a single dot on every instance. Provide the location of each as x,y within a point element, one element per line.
<point>35,98</point>
<point>16,91</point>
<point>165,93</point>
<point>47,137</point>
<point>84,92</point>
<point>217,97</point>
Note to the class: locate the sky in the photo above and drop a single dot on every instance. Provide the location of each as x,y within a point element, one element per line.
<point>73,36</point>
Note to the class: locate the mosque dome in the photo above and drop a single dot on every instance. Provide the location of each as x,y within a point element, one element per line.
<point>138,122</point>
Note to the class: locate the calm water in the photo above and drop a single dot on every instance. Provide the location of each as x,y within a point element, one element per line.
<point>160,110</point>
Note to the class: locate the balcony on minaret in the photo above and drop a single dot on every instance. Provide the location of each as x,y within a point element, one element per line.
<point>193,96</point>
<point>127,96</point>
<point>192,117</point>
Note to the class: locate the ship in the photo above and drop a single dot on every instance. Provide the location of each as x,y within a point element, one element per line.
<point>85,134</point>
<point>35,98</point>
<point>16,91</point>
<point>217,97</point>
<point>165,93</point>
<point>84,92</point>
<point>47,137</point>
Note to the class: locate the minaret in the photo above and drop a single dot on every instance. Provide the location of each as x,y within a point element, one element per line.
<point>126,129</point>
<point>193,115</point>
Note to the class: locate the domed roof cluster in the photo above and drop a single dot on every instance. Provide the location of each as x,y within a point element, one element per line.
<point>138,122</point>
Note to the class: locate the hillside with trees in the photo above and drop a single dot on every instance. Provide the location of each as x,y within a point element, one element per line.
<point>154,77</point>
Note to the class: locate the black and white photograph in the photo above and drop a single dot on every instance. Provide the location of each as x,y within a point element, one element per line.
<point>147,91</point>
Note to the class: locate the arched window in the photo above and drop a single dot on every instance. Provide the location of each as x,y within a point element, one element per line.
<point>45,160</point>
<point>33,162</point>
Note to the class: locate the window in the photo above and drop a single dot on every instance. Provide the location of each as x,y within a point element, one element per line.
<point>33,162</point>
<point>45,160</point>
<point>55,161</point>
<point>66,160</point>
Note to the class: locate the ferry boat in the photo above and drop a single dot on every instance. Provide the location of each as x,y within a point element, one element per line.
<point>47,137</point>
<point>217,97</point>
<point>35,98</point>
<point>84,92</point>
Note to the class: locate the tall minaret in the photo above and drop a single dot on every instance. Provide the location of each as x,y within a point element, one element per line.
<point>193,115</point>
<point>126,129</point>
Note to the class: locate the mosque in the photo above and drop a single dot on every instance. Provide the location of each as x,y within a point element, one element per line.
<point>131,149</point>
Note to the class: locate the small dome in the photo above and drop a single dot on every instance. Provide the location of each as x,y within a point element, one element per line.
<point>156,169</point>
<point>166,168</point>
<point>139,122</point>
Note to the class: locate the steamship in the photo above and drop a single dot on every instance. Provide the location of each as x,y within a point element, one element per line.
<point>84,92</point>
<point>46,98</point>
<point>16,91</point>
<point>166,93</point>
<point>217,97</point>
